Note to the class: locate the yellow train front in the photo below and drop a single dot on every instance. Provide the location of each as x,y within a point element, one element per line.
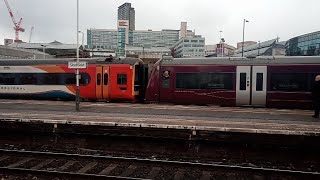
<point>103,79</point>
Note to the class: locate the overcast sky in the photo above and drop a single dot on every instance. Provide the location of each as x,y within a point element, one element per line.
<point>56,19</point>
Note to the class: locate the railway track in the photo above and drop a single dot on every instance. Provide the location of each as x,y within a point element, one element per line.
<point>48,165</point>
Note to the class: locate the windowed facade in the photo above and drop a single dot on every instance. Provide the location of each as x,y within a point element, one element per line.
<point>305,45</point>
<point>189,47</point>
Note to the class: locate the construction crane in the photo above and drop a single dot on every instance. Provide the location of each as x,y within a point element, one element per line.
<point>17,26</point>
<point>31,34</point>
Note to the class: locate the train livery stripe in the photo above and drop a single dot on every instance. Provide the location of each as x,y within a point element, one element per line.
<point>20,69</point>
<point>33,89</point>
<point>50,68</point>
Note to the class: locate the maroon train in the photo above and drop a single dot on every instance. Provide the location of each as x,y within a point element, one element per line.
<point>276,82</point>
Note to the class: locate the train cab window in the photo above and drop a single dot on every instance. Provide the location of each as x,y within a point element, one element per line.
<point>98,79</point>
<point>165,83</point>
<point>121,79</point>
<point>259,82</point>
<point>243,79</point>
<point>105,79</point>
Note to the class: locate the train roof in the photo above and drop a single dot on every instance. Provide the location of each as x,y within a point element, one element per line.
<point>25,62</point>
<point>265,60</point>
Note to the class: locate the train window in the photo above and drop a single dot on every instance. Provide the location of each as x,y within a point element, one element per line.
<point>215,81</point>
<point>84,79</point>
<point>98,79</point>
<point>28,78</point>
<point>187,80</point>
<point>7,79</point>
<point>289,82</point>
<point>121,79</point>
<point>70,79</point>
<point>259,82</point>
<point>243,79</point>
<point>105,79</point>
<point>51,79</point>
<point>204,80</point>
<point>43,78</point>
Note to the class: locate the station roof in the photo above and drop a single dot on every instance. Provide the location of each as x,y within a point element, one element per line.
<point>52,45</point>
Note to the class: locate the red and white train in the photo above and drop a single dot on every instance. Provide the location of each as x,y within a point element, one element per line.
<point>109,80</point>
<point>277,82</point>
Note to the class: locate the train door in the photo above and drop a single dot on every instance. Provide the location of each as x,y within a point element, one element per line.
<point>251,85</point>
<point>166,93</point>
<point>102,82</point>
<point>259,85</point>
<point>99,82</point>
<point>243,85</point>
<point>105,82</point>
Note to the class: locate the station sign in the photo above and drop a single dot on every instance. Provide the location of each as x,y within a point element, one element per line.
<point>77,65</point>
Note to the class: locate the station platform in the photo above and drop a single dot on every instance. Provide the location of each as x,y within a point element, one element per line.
<point>167,116</point>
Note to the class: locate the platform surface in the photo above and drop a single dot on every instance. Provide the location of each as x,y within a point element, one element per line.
<point>209,118</point>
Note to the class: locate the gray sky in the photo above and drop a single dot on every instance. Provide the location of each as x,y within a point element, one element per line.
<point>56,19</point>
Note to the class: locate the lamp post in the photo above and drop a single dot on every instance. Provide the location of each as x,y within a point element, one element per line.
<point>77,70</point>
<point>244,24</point>
<point>82,41</point>
<point>221,44</point>
<point>143,52</point>
<point>44,51</point>
<point>259,48</point>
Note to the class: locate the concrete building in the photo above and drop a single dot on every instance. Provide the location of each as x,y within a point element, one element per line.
<point>245,43</point>
<point>219,50</point>
<point>126,12</point>
<point>266,48</point>
<point>189,47</point>
<point>304,45</point>
<point>8,42</point>
<point>123,37</point>
<point>149,55</point>
<point>102,38</point>
<point>149,38</point>
<point>108,38</point>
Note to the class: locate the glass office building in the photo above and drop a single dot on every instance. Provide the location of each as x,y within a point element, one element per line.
<point>304,45</point>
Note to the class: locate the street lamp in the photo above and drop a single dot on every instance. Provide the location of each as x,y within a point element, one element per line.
<point>77,70</point>
<point>82,41</point>
<point>143,52</point>
<point>244,24</point>
<point>221,44</point>
<point>44,51</point>
<point>259,48</point>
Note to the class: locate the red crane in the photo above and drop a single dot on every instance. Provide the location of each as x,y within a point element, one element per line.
<point>17,26</point>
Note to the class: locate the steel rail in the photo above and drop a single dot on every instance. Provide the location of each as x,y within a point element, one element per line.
<point>156,161</point>
<point>63,174</point>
